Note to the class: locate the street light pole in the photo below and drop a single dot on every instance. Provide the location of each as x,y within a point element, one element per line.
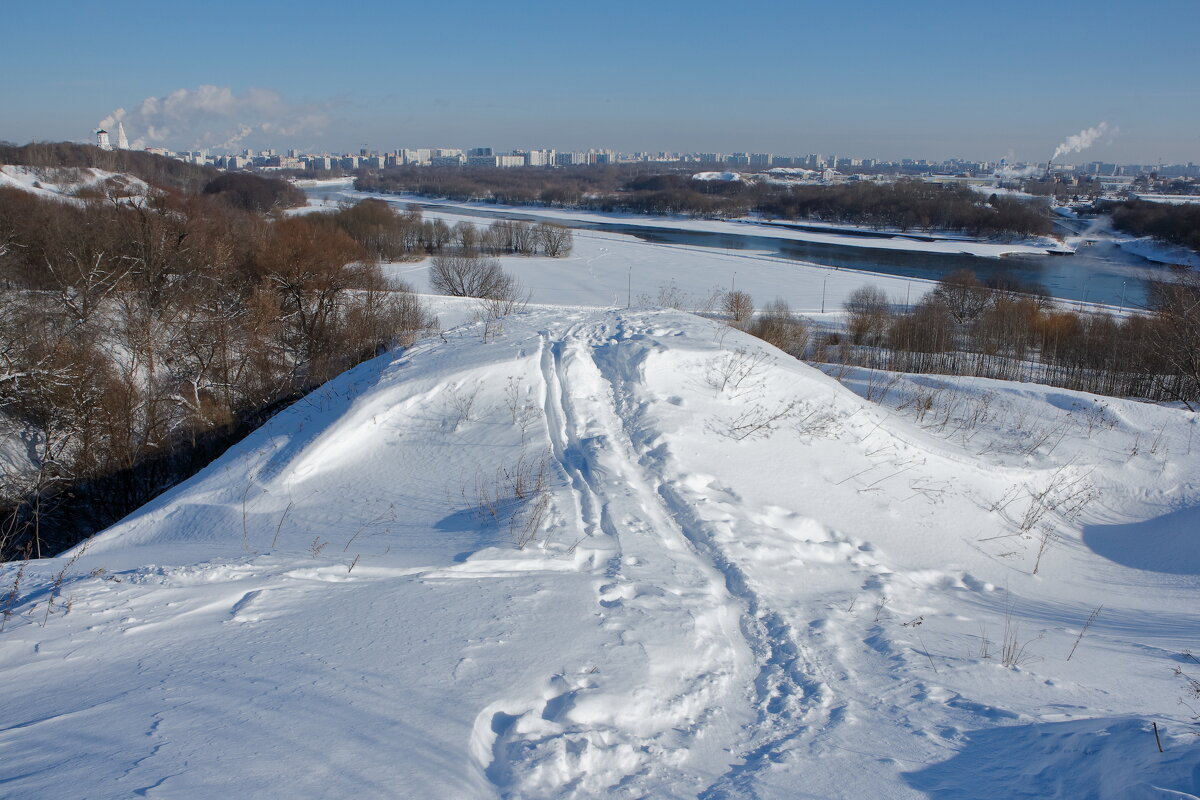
<point>823,292</point>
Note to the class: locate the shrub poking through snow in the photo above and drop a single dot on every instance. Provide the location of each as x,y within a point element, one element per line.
<point>516,498</point>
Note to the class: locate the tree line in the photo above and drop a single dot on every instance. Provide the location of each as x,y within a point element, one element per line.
<point>1177,224</point>
<point>912,205</point>
<point>905,204</point>
<point>154,169</point>
<point>964,327</point>
<point>140,337</point>
<point>406,236</point>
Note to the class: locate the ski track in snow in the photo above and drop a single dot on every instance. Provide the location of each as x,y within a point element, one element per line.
<point>788,697</point>
<point>621,513</point>
<point>591,377</point>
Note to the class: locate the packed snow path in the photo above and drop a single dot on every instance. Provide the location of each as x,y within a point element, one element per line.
<point>630,554</point>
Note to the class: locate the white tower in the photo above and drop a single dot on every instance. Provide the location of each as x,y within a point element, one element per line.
<point>122,139</point>
<point>102,140</point>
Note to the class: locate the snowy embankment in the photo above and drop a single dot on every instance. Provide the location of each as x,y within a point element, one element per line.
<point>64,183</point>
<point>1148,247</point>
<point>1170,199</point>
<point>1160,252</point>
<point>631,554</point>
<point>737,228</point>
<point>717,176</point>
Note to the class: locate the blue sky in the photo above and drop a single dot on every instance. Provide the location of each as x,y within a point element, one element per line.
<point>919,78</point>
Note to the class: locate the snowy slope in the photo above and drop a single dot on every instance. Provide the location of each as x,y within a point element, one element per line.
<point>64,183</point>
<point>739,578</point>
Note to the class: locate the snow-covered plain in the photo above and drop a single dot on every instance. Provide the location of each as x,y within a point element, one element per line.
<point>740,578</point>
<point>606,269</point>
<point>613,269</point>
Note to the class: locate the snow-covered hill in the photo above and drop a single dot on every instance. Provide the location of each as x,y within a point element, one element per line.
<point>72,183</point>
<point>631,554</point>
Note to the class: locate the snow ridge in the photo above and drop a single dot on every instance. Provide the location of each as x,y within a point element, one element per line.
<point>814,611</point>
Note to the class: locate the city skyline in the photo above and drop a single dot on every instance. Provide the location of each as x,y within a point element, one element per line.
<point>740,161</point>
<point>929,80</point>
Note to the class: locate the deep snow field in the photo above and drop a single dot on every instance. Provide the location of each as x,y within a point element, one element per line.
<point>631,553</point>
<point>613,269</point>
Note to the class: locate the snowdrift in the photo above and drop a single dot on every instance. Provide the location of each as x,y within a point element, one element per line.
<point>630,553</point>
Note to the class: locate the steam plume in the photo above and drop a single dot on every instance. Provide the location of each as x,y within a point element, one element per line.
<point>1082,140</point>
<point>215,117</point>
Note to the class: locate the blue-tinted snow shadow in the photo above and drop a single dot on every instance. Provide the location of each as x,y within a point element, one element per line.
<point>1113,758</point>
<point>474,530</point>
<point>1168,543</point>
<point>307,419</point>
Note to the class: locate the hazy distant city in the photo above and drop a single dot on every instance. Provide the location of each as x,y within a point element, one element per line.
<point>826,168</point>
<point>821,165</point>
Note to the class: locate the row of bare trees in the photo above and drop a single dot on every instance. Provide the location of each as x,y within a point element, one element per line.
<point>138,338</point>
<point>965,327</point>
<point>774,323</point>
<point>513,237</point>
<point>390,236</point>
<point>1177,224</point>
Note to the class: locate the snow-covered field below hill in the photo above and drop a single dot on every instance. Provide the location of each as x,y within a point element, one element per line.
<point>631,553</point>
<point>613,269</point>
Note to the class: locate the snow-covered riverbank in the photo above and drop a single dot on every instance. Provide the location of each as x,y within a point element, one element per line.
<point>743,227</point>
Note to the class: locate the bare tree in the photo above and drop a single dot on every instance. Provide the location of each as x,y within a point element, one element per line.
<point>963,295</point>
<point>869,311</point>
<point>556,240</point>
<point>1174,336</point>
<point>779,326</point>
<point>461,275</point>
<point>738,305</point>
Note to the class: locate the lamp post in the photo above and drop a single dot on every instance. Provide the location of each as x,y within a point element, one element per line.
<point>823,292</point>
